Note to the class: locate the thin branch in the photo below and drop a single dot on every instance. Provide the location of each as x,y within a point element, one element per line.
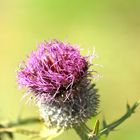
<point>19,130</point>
<point>110,127</point>
<point>11,127</point>
<point>85,134</point>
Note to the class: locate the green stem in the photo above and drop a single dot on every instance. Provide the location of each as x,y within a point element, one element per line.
<point>108,128</point>
<point>82,131</point>
<point>11,127</point>
<point>25,121</point>
<point>84,134</point>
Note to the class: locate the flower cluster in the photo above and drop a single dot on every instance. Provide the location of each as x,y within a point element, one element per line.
<point>58,76</point>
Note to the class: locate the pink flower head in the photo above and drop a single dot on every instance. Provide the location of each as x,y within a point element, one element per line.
<point>54,70</point>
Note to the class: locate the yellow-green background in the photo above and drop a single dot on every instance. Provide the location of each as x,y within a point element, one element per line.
<point>111,26</point>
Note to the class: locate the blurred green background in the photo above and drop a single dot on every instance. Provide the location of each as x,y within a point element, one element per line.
<point>111,26</point>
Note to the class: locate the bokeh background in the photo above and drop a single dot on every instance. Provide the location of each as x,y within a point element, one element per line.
<point>111,26</point>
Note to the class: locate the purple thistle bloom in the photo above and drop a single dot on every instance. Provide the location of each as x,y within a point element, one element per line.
<point>59,78</point>
<point>54,67</point>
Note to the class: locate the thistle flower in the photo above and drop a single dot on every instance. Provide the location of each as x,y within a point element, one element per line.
<point>58,77</point>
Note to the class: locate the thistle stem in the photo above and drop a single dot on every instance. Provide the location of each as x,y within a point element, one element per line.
<point>110,127</point>
<point>82,130</point>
